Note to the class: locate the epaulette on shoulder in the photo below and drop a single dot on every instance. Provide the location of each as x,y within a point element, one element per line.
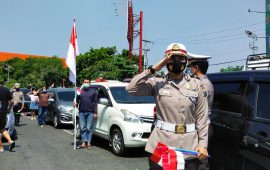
<point>201,87</point>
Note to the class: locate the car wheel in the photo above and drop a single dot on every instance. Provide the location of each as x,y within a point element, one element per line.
<point>56,121</point>
<point>78,129</point>
<point>117,142</point>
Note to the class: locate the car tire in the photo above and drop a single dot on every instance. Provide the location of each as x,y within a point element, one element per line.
<point>78,129</point>
<point>117,142</point>
<point>56,123</point>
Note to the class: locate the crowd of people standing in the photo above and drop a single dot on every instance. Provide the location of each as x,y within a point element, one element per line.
<point>12,104</point>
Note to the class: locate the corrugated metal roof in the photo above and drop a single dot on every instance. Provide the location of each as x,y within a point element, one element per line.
<point>7,56</point>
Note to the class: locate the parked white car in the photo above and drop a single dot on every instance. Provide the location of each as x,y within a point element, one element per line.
<point>123,119</point>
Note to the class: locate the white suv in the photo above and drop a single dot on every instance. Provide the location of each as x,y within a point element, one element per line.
<point>123,119</point>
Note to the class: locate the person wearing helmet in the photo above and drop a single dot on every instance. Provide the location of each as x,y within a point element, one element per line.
<point>197,67</point>
<point>181,107</point>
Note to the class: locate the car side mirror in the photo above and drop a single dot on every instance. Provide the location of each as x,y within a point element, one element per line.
<point>104,101</point>
<point>51,100</point>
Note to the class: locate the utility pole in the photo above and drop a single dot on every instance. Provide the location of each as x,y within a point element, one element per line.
<point>145,50</point>
<point>254,38</point>
<point>8,69</point>
<point>140,42</point>
<point>267,24</point>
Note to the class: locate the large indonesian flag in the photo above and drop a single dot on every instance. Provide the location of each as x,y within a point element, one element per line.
<point>73,51</point>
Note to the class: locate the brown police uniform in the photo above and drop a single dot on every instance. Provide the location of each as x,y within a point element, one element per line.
<point>183,103</point>
<point>210,91</point>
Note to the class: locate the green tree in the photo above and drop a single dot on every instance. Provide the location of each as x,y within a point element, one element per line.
<point>37,71</point>
<point>232,68</point>
<point>45,71</point>
<point>105,61</point>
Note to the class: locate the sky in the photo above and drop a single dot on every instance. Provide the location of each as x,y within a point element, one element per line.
<point>209,27</point>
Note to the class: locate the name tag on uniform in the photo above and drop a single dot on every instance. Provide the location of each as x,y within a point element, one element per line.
<point>189,93</point>
<point>165,92</point>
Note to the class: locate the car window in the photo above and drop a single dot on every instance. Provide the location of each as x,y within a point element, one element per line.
<point>120,95</point>
<point>25,91</point>
<point>229,96</point>
<point>66,96</point>
<point>263,108</point>
<point>101,93</point>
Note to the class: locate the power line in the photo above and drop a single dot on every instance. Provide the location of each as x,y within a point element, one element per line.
<point>229,52</point>
<point>204,34</point>
<point>225,36</point>
<point>209,42</point>
<point>226,62</point>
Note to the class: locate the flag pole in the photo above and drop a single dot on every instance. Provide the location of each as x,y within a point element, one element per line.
<point>73,51</point>
<point>75,117</point>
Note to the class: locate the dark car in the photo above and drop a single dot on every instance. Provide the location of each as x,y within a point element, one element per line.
<point>241,121</point>
<point>60,106</point>
<point>27,99</point>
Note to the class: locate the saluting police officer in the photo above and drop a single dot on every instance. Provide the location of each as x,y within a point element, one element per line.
<point>197,67</point>
<point>182,110</point>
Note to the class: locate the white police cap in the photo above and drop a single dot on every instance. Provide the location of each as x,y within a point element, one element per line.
<point>191,56</point>
<point>176,49</point>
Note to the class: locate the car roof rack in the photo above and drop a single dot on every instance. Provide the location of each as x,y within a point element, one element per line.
<point>258,62</point>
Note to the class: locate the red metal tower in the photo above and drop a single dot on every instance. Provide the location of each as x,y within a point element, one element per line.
<point>132,34</point>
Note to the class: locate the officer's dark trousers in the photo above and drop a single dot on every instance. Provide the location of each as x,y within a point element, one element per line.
<point>193,164</point>
<point>17,119</point>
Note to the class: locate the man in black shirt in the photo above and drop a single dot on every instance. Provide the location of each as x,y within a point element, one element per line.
<point>5,107</point>
<point>87,101</point>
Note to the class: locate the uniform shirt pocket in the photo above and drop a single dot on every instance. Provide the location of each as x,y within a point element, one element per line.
<point>165,97</point>
<point>192,95</point>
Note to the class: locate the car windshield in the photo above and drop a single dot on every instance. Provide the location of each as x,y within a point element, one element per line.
<point>25,91</point>
<point>120,95</point>
<point>66,96</point>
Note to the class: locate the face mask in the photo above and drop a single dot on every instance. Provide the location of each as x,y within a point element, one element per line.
<point>17,89</point>
<point>44,91</point>
<point>189,72</point>
<point>177,66</point>
<point>86,85</point>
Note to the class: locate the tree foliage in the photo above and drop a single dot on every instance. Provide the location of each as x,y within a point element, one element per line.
<point>105,61</point>
<point>232,68</point>
<point>44,71</point>
<point>35,71</point>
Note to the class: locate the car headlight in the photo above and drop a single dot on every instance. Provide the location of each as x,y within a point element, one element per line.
<point>130,117</point>
<point>65,109</point>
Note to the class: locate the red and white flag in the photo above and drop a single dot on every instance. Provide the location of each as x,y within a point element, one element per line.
<point>168,158</point>
<point>73,51</point>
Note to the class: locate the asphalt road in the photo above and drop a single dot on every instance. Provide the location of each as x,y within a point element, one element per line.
<point>46,148</point>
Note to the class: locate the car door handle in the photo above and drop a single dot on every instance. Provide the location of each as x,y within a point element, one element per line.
<point>218,124</point>
<point>260,136</point>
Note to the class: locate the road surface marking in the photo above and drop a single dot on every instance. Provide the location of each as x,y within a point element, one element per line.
<point>68,132</point>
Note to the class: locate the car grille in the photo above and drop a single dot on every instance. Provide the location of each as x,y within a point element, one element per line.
<point>146,135</point>
<point>147,119</point>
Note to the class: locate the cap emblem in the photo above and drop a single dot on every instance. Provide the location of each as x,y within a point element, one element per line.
<point>175,47</point>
